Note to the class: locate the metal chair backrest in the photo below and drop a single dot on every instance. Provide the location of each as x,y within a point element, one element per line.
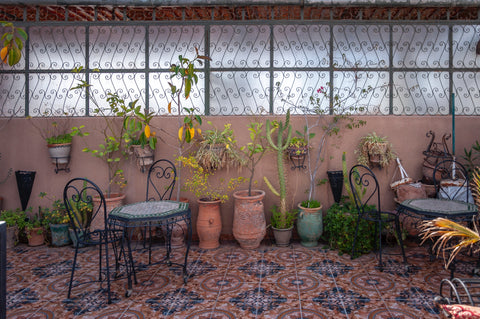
<point>161,179</point>
<point>451,181</point>
<point>366,191</point>
<point>78,196</point>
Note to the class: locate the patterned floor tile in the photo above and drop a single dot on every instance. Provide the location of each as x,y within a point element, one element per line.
<point>229,282</point>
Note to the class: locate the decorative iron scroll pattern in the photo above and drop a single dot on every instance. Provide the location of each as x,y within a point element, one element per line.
<point>412,66</point>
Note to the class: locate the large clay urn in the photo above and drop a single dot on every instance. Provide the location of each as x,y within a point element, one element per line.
<point>209,223</point>
<point>249,226</point>
<point>111,202</point>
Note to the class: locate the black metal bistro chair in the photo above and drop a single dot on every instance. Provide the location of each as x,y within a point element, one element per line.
<point>366,193</point>
<point>161,179</point>
<point>78,196</point>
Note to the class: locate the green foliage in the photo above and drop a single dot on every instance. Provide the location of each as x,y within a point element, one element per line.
<point>472,157</point>
<point>254,150</point>
<point>199,182</point>
<point>123,123</point>
<point>374,145</point>
<point>281,220</point>
<point>14,218</point>
<point>280,145</point>
<point>12,43</point>
<point>312,203</point>
<point>57,214</point>
<point>53,129</point>
<point>218,148</point>
<point>339,230</point>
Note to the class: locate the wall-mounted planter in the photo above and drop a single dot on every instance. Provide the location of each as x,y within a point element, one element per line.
<point>144,157</point>
<point>60,155</point>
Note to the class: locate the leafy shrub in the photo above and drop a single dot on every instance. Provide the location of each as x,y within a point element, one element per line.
<point>339,230</point>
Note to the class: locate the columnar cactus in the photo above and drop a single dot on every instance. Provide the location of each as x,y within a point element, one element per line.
<point>280,146</point>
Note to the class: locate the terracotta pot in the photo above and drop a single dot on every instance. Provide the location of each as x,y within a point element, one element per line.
<point>115,200</point>
<point>35,236</point>
<point>12,236</point>
<point>249,225</point>
<point>282,236</point>
<point>209,224</point>
<point>144,156</point>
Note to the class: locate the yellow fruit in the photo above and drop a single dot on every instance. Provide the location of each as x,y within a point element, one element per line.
<point>192,132</point>
<point>3,54</point>
<point>180,133</point>
<point>199,131</point>
<point>147,131</point>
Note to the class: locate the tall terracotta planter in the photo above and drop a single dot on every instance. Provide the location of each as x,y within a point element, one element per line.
<point>309,225</point>
<point>114,200</point>
<point>249,225</point>
<point>209,224</point>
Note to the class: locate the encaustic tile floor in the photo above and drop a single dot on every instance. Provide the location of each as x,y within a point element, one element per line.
<point>230,282</point>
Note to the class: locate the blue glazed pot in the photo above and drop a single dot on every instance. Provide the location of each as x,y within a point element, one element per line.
<point>309,225</point>
<point>60,236</point>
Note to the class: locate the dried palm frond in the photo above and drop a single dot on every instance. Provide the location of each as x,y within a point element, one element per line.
<point>447,230</point>
<point>475,184</point>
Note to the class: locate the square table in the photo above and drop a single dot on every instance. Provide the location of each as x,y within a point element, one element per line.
<point>165,213</point>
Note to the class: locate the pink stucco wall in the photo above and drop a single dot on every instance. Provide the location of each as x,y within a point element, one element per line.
<point>23,149</point>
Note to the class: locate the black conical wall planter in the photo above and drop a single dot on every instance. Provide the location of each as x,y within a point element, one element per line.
<point>335,179</point>
<point>25,184</point>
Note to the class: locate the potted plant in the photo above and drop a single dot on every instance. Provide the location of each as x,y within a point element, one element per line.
<point>184,77</point>
<point>282,225</point>
<point>15,220</point>
<point>341,220</point>
<point>330,119</point>
<point>139,137</point>
<point>34,231</point>
<point>122,122</point>
<point>217,148</point>
<point>58,136</point>
<point>55,219</point>
<point>375,150</point>
<point>283,136</point>
<point>298,148</point>
<point>209,197</point>
<point>249,225</point>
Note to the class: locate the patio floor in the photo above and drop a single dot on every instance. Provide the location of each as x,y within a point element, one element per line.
<point>229,282</point>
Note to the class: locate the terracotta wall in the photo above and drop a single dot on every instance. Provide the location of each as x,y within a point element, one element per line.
<point>23,149</point>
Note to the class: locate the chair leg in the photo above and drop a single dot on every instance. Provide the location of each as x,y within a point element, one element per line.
<point>73,271</point>
<point>189,239</point>
<point>109,298</point>
<point>355,236</point>
<point>378,230</point>
<point>400,239</point>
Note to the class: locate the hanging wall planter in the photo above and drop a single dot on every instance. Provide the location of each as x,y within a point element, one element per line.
<point>144,157</point>
<point>60,155</point>
<point>335,178</point>
<point>25,181</point>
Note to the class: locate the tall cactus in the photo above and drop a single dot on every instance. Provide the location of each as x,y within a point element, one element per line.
<point>280,146</point>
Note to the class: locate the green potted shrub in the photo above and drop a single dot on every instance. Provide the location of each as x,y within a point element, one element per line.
<point>282,225</point>
<point>55,221</point>
<point>209,197</point>
<point>15,220</point>
<point>279,143</point>
<point>374,150</point>
<point>34,231</point>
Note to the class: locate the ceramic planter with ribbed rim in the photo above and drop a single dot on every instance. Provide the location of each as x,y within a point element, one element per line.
<point>60,153</point>
<point>209,223</point>
<point>249,225</point>
<point>309,225</point>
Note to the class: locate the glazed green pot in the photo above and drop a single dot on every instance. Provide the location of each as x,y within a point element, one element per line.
<point>309,225</point>
<point>60,235</point>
